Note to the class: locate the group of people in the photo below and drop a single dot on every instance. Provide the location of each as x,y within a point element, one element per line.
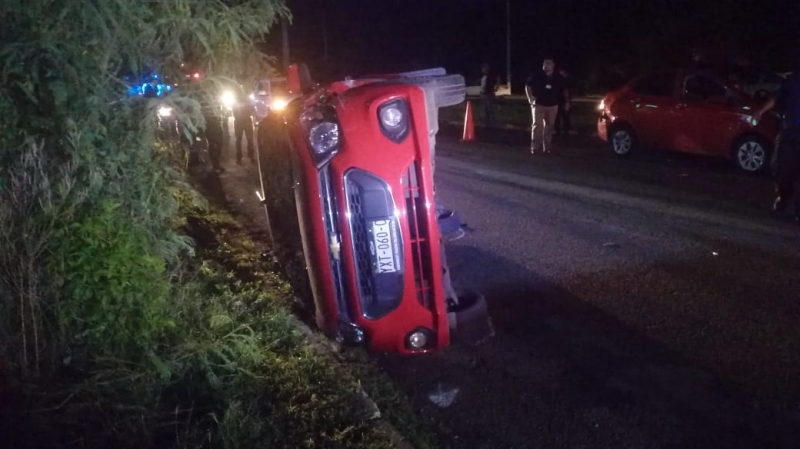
<point>548,93</point>
<point>216,123</point>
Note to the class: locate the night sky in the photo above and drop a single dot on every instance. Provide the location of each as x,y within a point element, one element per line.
<point>367,36</point>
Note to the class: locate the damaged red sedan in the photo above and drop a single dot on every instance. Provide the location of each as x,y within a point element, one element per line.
<point>350,166</point>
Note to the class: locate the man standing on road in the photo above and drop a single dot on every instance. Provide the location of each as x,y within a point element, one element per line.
<point>488,88</point>
<point>544,91</point>
<point>243,113</point>
<point>786,158</point>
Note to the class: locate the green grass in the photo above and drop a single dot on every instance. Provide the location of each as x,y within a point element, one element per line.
<point>233,371</point>
<point>352,369</point>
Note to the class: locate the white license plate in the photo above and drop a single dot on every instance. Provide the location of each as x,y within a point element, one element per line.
<point>383,247</point>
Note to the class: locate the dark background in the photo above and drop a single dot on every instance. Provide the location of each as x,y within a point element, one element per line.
<point>589,38</point>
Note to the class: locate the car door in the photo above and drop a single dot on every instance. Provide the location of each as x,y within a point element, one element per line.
<point>707,115</point>
<point>650,107</point>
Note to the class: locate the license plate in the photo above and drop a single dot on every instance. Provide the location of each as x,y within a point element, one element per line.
<point>383,246</point>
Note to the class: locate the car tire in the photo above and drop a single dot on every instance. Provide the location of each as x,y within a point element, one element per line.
<point>471,307</point>
<point>622,140</point>
<point>751,154</point>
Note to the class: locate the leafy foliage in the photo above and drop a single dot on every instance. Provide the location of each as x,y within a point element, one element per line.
<point>74,141</point>
<point>114,293</point>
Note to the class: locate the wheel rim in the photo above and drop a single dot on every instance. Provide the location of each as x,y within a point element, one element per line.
<point>622,142</point>
<point>751,155</point>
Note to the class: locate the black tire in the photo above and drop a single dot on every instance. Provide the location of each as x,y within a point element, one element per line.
<point>622,140</point>
<point>751,154</point>
<point>471,307</point>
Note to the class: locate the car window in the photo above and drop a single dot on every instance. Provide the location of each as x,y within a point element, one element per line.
<point>702,88</point>
<point>657,84</point>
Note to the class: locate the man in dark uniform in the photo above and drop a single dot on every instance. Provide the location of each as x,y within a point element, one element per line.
<point>214,135</point>
<point>243,113</point>
<point>563,123</point>
<point>488,89</point>
<point>786,158</point>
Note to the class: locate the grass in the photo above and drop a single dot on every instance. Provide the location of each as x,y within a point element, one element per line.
<point>352,369</point>
<point>234,371</point>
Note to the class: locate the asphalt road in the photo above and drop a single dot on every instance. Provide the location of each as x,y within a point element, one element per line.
<point>643,303</point>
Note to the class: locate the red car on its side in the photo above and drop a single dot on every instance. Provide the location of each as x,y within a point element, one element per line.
<point>687,111</point>
<point>350,166</point>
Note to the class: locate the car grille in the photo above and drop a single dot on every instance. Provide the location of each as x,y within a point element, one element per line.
<point>369,198</point>
<point>361,245</point>
<point>329,217</point>
<point>416,213</point>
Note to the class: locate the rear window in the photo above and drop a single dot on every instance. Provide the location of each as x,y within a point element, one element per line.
<point>656,84</point>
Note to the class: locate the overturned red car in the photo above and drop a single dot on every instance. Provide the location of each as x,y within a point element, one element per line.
<point>349,167</point>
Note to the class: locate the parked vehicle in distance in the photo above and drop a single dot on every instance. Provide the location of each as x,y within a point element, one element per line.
<point>691,112</point>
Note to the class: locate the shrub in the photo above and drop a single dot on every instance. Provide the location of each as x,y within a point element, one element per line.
<point>114,289</point>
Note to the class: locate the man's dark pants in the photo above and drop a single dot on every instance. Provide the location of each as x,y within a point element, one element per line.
<point>243,126</point>
<point>488,110</point>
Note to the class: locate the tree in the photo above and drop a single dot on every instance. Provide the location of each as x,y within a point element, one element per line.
<point>75,147</point>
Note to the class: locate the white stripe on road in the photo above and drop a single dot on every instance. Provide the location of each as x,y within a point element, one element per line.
<point>721,219</point>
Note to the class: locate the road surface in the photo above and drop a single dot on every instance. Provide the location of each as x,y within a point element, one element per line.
<point>636,303</point>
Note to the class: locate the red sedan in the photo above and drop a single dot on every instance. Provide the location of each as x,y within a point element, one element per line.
<point>350,165</point>
<point>691,112</point>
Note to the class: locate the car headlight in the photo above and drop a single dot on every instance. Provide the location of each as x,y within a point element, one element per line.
<point>279,104</point>
<point>228,99</point>
<point>322,132</point>
<point>324,137</point>
<point>164,111</point>
<point>393,119</point>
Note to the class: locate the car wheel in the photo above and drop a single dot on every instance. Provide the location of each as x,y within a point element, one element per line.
<point>622,141</point>
<point>471,307</point>
<point>751,154</point>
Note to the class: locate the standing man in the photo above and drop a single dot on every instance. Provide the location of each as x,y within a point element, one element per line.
<point>543,91</point>
<point>243,113</point>
<point>214,135</point>
<point>786,158</point>
<point>488,88</point>
<point>563,123</point>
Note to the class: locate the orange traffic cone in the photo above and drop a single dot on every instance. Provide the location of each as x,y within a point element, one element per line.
<point>469,125</point>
